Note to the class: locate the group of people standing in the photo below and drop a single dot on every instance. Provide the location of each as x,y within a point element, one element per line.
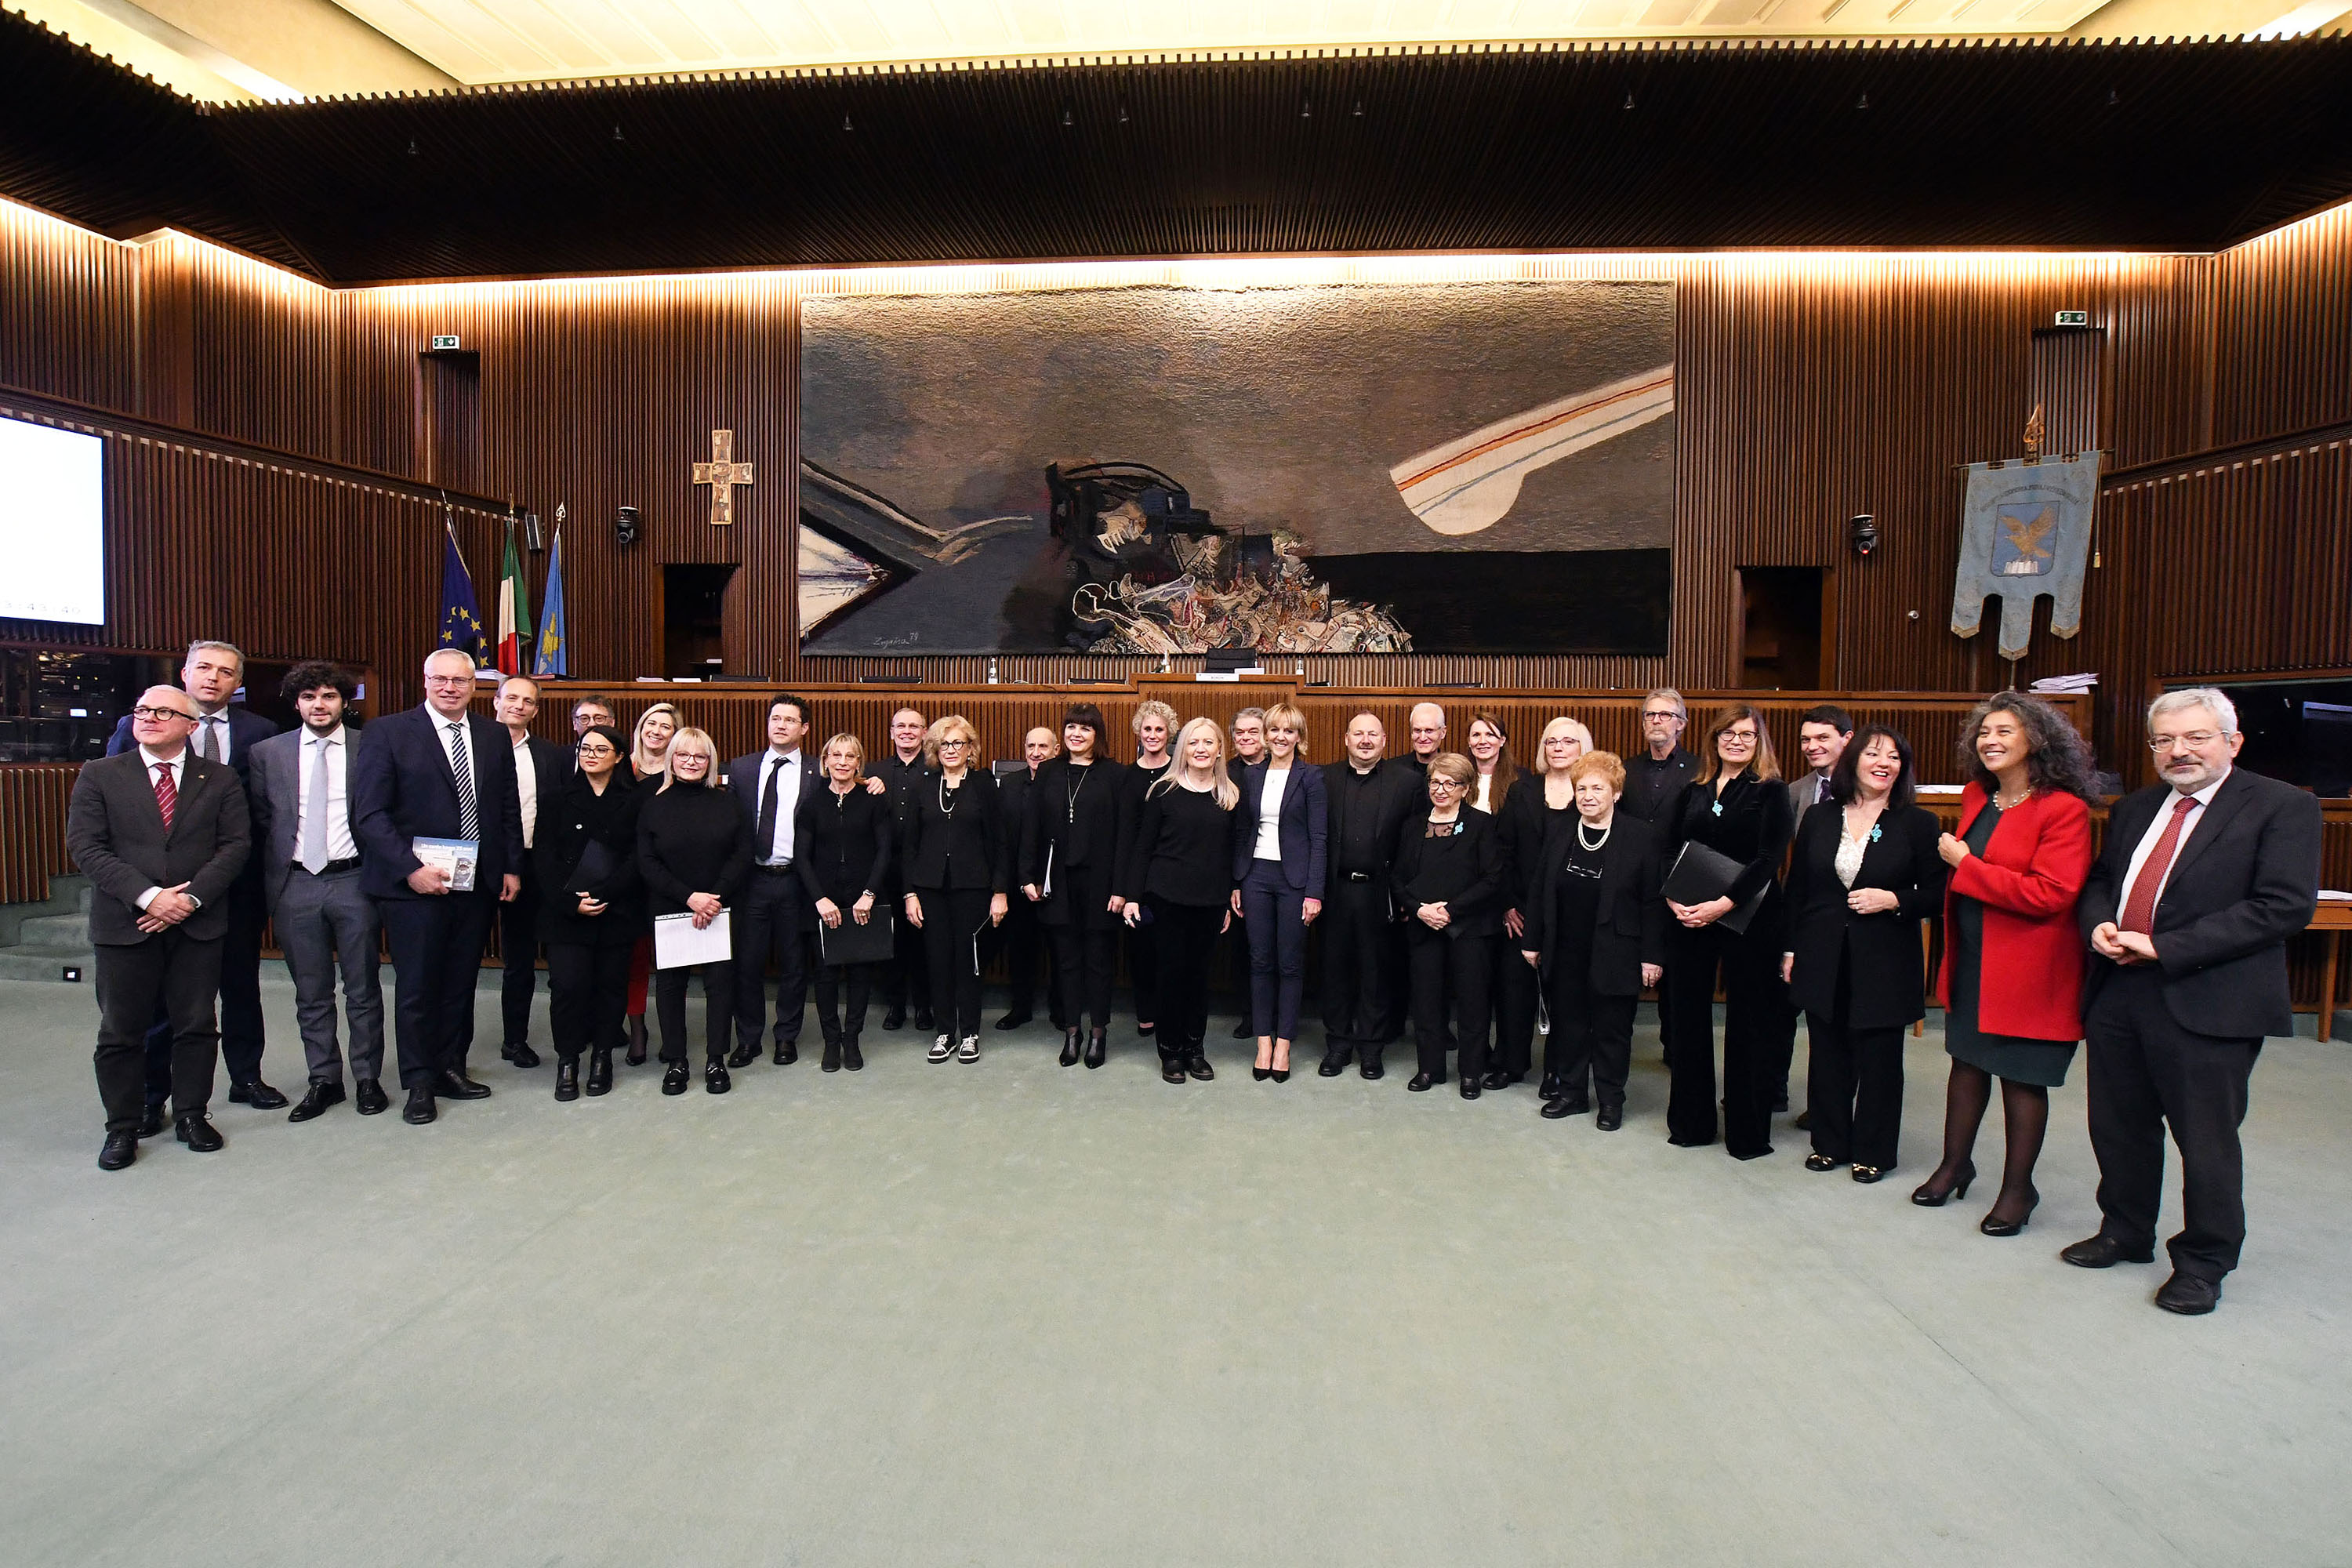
<point>1452,891</point>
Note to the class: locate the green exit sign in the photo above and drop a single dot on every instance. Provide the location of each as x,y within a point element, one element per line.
<point>2065,319</point>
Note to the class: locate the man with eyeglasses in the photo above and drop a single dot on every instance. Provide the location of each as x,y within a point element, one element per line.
<point>225,732</point>
<point>1655,780</point>
<point>436,772</point>
<point>2189,908</point>
<point>163,835</point>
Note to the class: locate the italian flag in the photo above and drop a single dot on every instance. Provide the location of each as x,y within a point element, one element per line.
<point>514,611</point>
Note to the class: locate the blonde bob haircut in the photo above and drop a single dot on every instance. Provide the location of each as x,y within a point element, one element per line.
<point>687,736</point>
<point>856,748</point>
<point>1222,787</point>
<point>949,726</point>
<point>1563,725</point>
<point>1286,717</point>
<point>1608,764</point>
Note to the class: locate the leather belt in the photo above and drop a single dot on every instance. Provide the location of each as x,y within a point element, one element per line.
<point>349,863</point>
<point>778,867</point>
<point>1359,876</point>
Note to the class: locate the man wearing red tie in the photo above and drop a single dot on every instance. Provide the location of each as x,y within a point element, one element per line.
<point>2188,909</point>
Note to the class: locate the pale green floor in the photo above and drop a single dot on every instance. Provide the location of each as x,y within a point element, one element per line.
<point>1012,1314</point>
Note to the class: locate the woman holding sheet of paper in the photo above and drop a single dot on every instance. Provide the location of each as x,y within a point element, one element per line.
<point>694,847</point>
<point>591,908</point>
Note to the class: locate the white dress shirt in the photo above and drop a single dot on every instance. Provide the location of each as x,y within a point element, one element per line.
<point>451,745</point>
<point>340,844</point>
<point>179,766</point>
<point>788,800</point>
<point>2147,846</point>
<point>1269,815</point>
<point>527,786</point>
<point>212,728</point>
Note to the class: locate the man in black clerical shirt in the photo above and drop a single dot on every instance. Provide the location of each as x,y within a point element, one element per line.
<point>1425,729</point>
<point>1654,780</point>
<point>908,976</point>
<point>1369,800</point>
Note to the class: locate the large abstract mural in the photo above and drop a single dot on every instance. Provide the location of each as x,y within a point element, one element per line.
<point>1442,467</point>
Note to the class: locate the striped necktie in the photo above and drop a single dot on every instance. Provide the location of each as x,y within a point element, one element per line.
<point>470,812</point>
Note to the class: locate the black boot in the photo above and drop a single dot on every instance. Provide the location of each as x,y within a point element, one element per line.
<point>851,1057</point>
<point>600,1069</point>
<point>567,1078</point>
<point>832,1062</point>
<point>1097,1048</point>
<point>1070,1048</point>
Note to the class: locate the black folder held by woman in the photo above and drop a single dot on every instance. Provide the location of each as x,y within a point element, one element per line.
<point>850,942</point>
<point>1699,874</point>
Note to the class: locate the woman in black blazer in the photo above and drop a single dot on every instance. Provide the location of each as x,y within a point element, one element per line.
<point>841,846</point>
<point>1865,874</point>
<point>1178,874</point>
<point>1279,832</point>
<point>955,877</point>
<point>1737,806</point>
<point>694,851</point>
<point>1069,865</point>
<point>1448,876</point>
<point>591,909</point>
<point>1596,933</point>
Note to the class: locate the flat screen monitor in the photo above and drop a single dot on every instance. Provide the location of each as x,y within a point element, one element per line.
<point>52,524</point>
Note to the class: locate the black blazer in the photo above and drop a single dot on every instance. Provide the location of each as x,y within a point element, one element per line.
<point>402,788</point>
<point>691,840</point>
<point>1885,969</point>
<point>1655,806</point>
<point>1629,922</point>
<point>1524,821</point>
<point>1754,828</point>
<point>551,766</point>
<point>1390,793</point>
<point>1304,826</point>
<point>114,831</point>
<point>743,778</point>
<point>575,818</point>
<point>2247,880</point>
<point>842,845</point>
<point>1180,849</point>
<point>958,850</point>
<point>1084,852</point>
<point>1477,910</point>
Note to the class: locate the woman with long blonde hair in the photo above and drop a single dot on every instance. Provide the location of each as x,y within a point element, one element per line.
<point>657,729</point>
<point>1154,725</point>
<point>1178,883</point>
<point>1278,863</point>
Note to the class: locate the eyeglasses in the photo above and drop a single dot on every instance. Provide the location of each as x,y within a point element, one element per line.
<point>953,745</point>
<point>1444,784</point>
<point>1663,713</point>
<point>598,749</point>
<point>448,680</point>
<point>157,715</point>
<point>2196,741</point>
<point>1746,735</point>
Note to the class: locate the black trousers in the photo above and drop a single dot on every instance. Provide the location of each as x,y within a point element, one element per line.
<point>718,1009</point>
<point>1022,942</point>
<point>1363,972</point>
<point>953,919</point>
<point>1143,972</point>
<point>518,950</point>
<point>437,958</point>
<point>1591,1037</point>
<point>1854,1084</point>
<point>241,1000</point>
<point>1516,984</point>
<point>1088,960</point>
<point>588,995</point>
<point>908,976</point>
<point>768,917</point>
<point>1783,1049</point>
<point>1185,935</point>
<point>2149,1073</point>
<point>1450,976</point>
<point>172,972</point>
<point>1750,975</point>
<point>832,980</point>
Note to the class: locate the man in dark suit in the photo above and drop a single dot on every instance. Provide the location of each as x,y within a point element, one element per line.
<point>1367,801</point>
<point>436,772</point>
<point>1656,778</point>
<point>541,769</point>
<point>224,733</point>
<point>773,911</point>
<point>1821,734</point>
<point>300,785</point>
<point>2189,908</point>
<point>161,834</point>
<point>907,977</point>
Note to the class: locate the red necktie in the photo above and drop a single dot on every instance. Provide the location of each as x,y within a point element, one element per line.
<point>167,794</point>
<point>2139,907</point>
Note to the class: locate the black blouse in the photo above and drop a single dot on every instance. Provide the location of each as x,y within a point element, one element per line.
<point>841,843</point>
<point>568,825</point>
<point>1183,850</point>
<point>951,837</point>
<point>692,840</point>
<point>1462,869</point>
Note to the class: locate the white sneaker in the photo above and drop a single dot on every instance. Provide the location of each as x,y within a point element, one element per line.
<point>942,1049</point>
<point>969,1050</point>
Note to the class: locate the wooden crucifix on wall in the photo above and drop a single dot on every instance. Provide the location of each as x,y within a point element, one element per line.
<point>722,474</point>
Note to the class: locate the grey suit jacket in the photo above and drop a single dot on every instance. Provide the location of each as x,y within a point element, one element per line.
<point>274,784</point>
<point>114,830</point>
<point>1802,790</point>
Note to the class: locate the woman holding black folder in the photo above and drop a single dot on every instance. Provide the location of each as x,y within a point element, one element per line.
<point>1727,833</point>
<point>840,843</point>
<point>585,852</point>
<point>955,875</point>
<point>694,850</point>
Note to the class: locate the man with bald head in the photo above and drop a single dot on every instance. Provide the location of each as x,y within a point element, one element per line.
<point>163,835</point>
<point>1425,729</point>
<point>1023,938</point>
<point>1368,799</point>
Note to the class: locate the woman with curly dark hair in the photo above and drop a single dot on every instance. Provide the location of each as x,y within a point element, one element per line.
<point>2018,863</point>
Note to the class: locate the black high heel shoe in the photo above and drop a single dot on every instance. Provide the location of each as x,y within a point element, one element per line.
<point>1992,1227</point>
<point>1069,1047</point>
<point>1097,1048</point>
<point>1926,1196</point>
<point>1261,1074</point>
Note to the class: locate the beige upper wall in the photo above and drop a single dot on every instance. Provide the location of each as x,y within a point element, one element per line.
<point>231,50</point>
<point>2202,18</point>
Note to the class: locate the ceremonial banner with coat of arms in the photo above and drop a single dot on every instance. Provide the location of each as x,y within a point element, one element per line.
<point>2025,532</point>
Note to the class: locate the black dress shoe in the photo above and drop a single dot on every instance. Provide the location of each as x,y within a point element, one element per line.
<point>1472,1086</point>
<point>1197,1067</point>
<point>742,1056</point>
<point>1497,1078</point>
<point>924,1022</point>
<point>119,1149</point>
<point>1098,1049</point>
<point>1421,1082</point>
<point>1241,1028</point>
<point>714,1078</point>
<point>256,1094</point>
<point>2103,1251</point>
<point>832,1062</point>
<point>368,1099</point>
<point>2187,1295</point>
<point>1369,1066</point>
<point>1804,1120</point>
<point>520,1053</point>
<point>315,1100</point>
<point>1171,1070</point>
<point>1563,1105</point>
<point>1071,1047</point>
<point>1014,1020</point>
<point>195,1130</point>
<point>600,1071</point>
<point>851,1057</point>
<point>1612,1117</point>
<point>1551,1088</point>
<point>1332,1067</point>
<point>152,1121</point>
<point>675,1076</point>
<point>787,1052</point>
<point>1818,1160</point>
<point>455,1085</point>
<point>895,1018</point>
<point>420,1108</point>
<point>567,1078</point>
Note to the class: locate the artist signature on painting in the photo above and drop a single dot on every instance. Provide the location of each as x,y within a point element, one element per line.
<point>909,641</point>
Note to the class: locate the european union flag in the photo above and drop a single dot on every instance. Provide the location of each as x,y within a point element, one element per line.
<point>461,616</point>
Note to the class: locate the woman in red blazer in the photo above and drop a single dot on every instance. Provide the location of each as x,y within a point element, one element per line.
<point>2018,862</point>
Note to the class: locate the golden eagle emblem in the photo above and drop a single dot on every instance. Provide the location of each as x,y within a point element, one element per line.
<point>2023,549</point>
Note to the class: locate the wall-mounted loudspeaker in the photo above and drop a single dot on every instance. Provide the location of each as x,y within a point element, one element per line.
<point>627,524</point>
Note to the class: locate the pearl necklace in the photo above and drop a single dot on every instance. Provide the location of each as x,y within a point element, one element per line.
<point>1589,844</point>
<point>2001,804</point>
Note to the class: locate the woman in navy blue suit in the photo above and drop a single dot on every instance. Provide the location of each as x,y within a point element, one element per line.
<point>1279,840</point>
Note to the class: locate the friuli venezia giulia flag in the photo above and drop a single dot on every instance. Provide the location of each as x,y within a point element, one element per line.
<point>514,611</point>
